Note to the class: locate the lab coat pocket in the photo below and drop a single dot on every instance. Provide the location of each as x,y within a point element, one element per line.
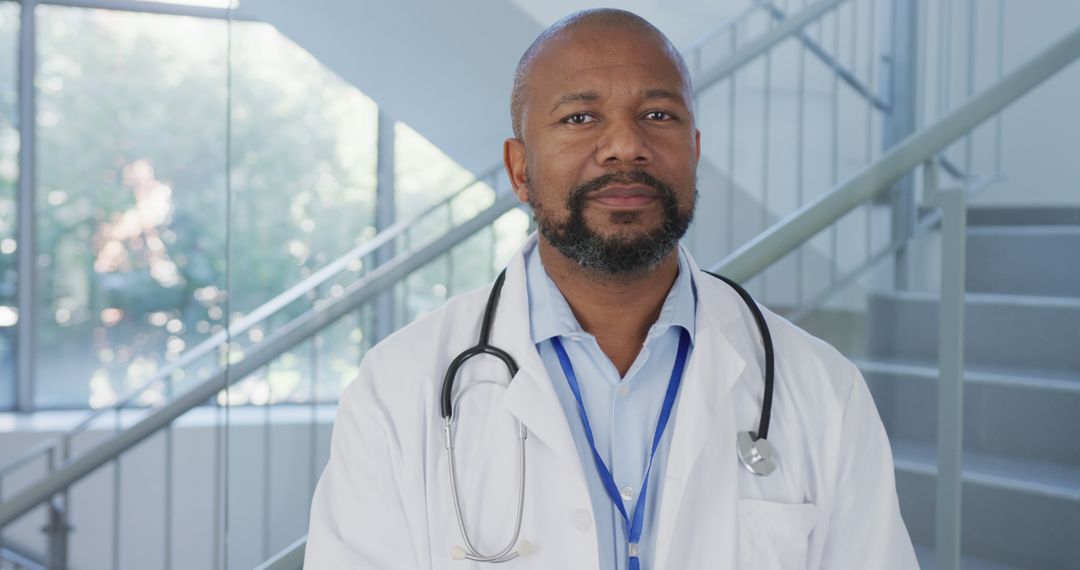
<point>774,536</point>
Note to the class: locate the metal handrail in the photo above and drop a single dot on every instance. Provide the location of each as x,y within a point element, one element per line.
<point>250,320</point>
<point>293,333</point>
<point>801,225</point>
<point>794,230</point>
<point>290,558</point>
<point>748,260</point>
<point>23,561</point>
<point>765,42</point>
<point>211,385</point>
<point>724,26</point>
<point>740,59</point>
<point>830,61</point>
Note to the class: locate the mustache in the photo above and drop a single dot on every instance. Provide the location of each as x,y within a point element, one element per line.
<point>581,192</point>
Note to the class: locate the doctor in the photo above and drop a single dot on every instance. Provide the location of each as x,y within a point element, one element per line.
<point>636,371</point>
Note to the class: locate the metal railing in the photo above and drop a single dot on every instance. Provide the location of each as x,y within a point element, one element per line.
<point>918,150</point>
<point>59,450</point>
<point>65,468</point>
<point>299,329</point>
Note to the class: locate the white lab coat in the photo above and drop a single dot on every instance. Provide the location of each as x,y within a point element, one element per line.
<point>384,500</point>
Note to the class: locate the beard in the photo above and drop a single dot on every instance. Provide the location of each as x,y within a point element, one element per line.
<point>620,254</point>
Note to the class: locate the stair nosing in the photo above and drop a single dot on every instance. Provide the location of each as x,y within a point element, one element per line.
<point>1028,381</point>
<point>1025,229</point>
<point>1051,301</point>
<point>908,461</point>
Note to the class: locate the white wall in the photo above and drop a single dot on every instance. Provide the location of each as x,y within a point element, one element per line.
<point>287,470</point>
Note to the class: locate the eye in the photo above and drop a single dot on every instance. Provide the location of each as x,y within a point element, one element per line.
<point>579,119</point>
<point>659,116</point>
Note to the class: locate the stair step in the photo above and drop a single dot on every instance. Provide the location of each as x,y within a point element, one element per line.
<point>1002,332</point>
<point>1024,260</point>
<point>925,554</point>
<point>1023,215</point>
<point>1042,502</point>
<point>1021,417</point>
<point>1044,479</point>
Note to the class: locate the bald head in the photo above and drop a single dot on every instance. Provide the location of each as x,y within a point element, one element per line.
<point>586,22</point>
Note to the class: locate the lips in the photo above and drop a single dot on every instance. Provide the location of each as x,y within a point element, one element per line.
<point>620,196</point>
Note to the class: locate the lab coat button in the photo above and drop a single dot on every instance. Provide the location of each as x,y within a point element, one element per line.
<point>624,391</point>
<point>627,493</point>
<point>582,519</point>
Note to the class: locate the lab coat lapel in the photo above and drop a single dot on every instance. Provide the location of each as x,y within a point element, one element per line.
<point>530,396</point>
<point>704,412</point>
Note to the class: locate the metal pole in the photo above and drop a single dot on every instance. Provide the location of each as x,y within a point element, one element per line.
<point>385,212</point>
<point>999,70</point>
<point>27,244</point>
<point>902,89</point>
<point>267,471</point>
<point>834,167</point>
<point>169,453</point>
<point>56,527</point>
<point>953,204</point>
<point>117,487</point>
<point>800,182</point>
<point>765,157</point>
<point>732,184</point>
<point>969,84</point>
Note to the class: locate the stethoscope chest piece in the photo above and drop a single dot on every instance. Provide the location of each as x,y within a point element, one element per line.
<point>756,454</point>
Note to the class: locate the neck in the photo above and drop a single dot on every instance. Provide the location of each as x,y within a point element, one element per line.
<point>618,311</point>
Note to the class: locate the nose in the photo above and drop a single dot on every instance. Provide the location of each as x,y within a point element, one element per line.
<point>623,143</point>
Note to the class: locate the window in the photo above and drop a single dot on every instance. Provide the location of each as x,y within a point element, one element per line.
<point>304,148</point>
<point>132,184</point>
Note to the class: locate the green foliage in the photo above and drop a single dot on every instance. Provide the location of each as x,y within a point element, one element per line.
<point>133,131</point>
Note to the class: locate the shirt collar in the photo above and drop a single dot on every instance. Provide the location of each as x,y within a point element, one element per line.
<point>550,315</point>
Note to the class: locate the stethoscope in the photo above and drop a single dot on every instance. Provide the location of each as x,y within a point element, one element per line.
<point>755,453</point>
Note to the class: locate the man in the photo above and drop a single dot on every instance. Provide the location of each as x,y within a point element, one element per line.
<point>637,371</point>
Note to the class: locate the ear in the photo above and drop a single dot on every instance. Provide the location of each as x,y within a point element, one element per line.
<point>514,161</point>
<point>697,145</point>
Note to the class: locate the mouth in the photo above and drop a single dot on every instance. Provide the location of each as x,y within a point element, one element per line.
<point>625,196</point>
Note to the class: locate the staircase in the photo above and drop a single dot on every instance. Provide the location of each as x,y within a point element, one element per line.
<point>1021,392</point>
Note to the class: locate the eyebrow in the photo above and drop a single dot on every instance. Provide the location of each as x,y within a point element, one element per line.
<point>651,94</point>
<point>583,96</point>
<point>592,96</point>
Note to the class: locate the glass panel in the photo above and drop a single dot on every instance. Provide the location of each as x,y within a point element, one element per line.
<point>130,198</point>
<point>304,150</point>
<point>303,175</point>
<point>9,175</point>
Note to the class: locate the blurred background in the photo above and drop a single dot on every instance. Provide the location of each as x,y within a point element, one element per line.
<point>209,211</point>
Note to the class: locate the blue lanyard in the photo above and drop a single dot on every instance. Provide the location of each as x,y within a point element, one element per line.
<point>633,527</point>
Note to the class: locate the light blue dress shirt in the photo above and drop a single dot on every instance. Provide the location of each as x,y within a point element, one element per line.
<point>623,412</point>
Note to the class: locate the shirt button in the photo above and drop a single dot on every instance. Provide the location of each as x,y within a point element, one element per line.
<point>627,493</point>
<point>582,519</point>
<point>624,391</point>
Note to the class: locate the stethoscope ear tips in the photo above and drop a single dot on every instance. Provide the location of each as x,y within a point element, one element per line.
<point>525,547</point>
<point>458,553</point>
<point>756,454</point>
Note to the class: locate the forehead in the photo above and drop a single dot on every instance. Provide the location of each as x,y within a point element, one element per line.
<point>602,59</point>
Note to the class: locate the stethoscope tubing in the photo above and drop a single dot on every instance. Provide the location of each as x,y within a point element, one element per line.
<point>767,343</point>
<point>484,346</point>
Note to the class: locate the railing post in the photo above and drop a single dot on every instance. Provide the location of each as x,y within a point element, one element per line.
<point>385,214</point>
<point>27,231</point>
<point>56,528</point>
<point>950,436</point>
<point>901,120</point>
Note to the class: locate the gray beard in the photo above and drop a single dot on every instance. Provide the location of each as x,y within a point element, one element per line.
<point>615,255</point>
